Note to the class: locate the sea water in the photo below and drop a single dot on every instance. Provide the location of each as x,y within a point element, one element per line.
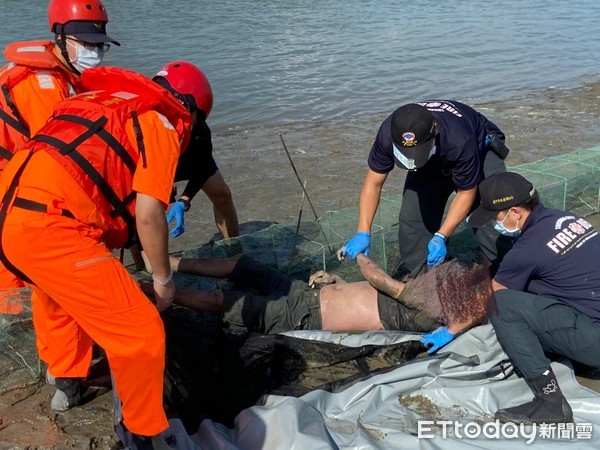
<point>276,61</point>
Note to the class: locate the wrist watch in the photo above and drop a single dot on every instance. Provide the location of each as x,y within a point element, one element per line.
<point>186,203</point>
<point>437,233</point>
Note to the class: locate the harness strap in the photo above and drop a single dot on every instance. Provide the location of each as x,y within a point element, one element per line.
<point>122,207</point>
<point>119,206</point>
<point>31,205</point>
<point>92,129</point>
<point>6,201</point>
<point>4,153</point>
<point>17,121</point>
<point>97,127</point>
<point>139,137</point>
<point>86,166</point>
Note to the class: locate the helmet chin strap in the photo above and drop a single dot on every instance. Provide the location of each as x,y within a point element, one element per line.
<point>61,41</point>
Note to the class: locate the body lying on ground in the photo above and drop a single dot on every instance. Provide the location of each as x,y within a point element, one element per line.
<point>272,302</point>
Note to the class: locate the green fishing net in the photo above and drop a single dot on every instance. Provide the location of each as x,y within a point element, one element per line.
<point>570,181</point>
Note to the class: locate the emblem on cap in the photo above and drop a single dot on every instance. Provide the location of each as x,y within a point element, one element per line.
<point>409,139</point>
<point>97,24</point>
<point>503,199</point>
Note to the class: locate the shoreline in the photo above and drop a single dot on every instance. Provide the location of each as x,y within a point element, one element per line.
<point>331,157</point>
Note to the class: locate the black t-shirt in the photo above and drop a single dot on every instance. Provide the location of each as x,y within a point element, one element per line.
<point>460,143</point>
<point>197,163</point>
<point>557,256</point>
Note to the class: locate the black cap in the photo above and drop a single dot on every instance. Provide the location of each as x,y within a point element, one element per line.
<point>85,31</point>
<point>499,192</point>
<point>412,129</point>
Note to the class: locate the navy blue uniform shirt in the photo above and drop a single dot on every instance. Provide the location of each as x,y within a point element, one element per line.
<point>197,163</point>
<point>557,255</point>
<point>460,143</point>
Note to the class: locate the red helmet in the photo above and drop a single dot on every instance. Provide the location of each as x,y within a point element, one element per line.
<point>63,11</point>
<point>187,79</point>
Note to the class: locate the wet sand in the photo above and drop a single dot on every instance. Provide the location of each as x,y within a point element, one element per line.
<point>331,157</point>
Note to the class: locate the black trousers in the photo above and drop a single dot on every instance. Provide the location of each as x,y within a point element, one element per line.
<point>276,303</point>
<point>530,328</point>
<point>426,192</point>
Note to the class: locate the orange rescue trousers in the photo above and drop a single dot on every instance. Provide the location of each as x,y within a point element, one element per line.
<point>8,282</point>
<point>84,294</point>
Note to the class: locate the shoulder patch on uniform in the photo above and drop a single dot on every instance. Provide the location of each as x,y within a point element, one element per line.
<point>165,122</point>
<point>45,80</point>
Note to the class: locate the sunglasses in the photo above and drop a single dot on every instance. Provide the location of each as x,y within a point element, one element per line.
<point>104,46</point>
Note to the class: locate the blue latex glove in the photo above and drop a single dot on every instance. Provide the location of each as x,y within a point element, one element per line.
<point>437,250</point>
<point>437,339</point>
<point>176,212</point>
<point>358,244</point>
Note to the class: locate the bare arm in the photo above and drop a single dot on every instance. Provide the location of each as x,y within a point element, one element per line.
<point>152,230</point>
<point>459,209</point>
<point>378,278</point>
<point>224,210</point>
<point>369,199</point>
<point>190,297</point>
<point>497,286</point>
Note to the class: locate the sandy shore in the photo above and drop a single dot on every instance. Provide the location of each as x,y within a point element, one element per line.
<point>332,159</point>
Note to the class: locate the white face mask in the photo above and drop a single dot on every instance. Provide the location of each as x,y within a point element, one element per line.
<point>500,227</point>
<point>410,163</point>
<point>86,58</point>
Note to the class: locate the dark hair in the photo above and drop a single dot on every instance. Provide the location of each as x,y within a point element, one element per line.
<point>529,205</point>
<point>189,102</point>
<point>532,203</point>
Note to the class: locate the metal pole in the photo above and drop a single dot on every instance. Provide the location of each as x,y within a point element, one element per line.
<point>298,176</point>
<point>305,192</point>
<point>298,225</point>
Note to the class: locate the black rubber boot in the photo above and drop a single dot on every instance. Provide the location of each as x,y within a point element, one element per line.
<point>72,392</point>
<point>548,404</point>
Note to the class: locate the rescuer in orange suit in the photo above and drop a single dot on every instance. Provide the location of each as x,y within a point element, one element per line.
<point>41,73</point>
<point>101,169</point>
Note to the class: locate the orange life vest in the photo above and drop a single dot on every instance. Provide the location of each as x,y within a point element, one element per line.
<point>25,58</point>
<point>87,136</point>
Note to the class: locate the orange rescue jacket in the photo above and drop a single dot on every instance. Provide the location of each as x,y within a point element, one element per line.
<point>25,59</point>
<point>87,136</point>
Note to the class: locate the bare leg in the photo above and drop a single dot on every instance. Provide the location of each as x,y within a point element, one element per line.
<point>349,307</point>
<point>191,297</point>
<point>205,267</point>
<point>197,299</point>
<point>173,262</point>
<point>378,278</point>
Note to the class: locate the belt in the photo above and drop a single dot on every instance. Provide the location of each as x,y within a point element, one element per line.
<point>30,205</point>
